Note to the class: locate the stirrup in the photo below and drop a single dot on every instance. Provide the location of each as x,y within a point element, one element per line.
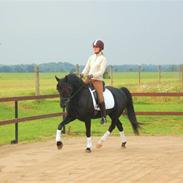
<point>103,121</point>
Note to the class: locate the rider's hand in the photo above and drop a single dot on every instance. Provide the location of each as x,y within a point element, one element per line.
<point>81,75</point>
<point>90,76</point>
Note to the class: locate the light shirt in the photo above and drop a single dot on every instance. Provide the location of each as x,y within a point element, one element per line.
<point>96,66</point>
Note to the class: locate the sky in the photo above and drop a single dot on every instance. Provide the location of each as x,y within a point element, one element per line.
<point>134,32</point>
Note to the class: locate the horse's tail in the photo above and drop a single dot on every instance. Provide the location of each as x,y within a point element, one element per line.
<point>130,111</point>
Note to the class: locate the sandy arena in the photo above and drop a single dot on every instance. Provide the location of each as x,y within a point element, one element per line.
<point>146,159</point>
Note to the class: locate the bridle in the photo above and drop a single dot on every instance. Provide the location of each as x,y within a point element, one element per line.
<point>68,99</point>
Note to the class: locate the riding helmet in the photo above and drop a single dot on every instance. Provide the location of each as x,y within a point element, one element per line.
<point>99,44</point>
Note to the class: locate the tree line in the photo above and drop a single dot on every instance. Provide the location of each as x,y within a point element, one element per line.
<point>68,67</point>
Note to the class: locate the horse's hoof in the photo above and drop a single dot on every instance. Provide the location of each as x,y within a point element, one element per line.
<point>123,144</point>
<point>98,145</point>
<point>88,150</point>
<point>59,145</point>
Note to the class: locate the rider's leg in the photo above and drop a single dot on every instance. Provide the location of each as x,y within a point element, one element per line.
<point>103,112</point>
<point>98,85</point>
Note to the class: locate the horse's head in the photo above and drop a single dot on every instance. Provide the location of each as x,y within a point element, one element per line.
<point>66,87</point>
<point>65,90</point>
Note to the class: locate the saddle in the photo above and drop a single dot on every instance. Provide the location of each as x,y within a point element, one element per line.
<point>108,97</point>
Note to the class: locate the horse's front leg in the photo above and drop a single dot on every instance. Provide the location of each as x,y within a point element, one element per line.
<point>88,135</point>
<point>106,135</point>
<point>67,120</point>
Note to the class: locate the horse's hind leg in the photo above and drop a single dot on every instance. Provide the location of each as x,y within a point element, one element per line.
<point>121,132</point>
<point>106,135</point>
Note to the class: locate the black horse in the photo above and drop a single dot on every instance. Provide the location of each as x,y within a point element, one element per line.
<point>75,96</point>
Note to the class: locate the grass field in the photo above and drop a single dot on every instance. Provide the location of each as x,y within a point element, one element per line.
<point>12,84</point>
<point>22,84</point>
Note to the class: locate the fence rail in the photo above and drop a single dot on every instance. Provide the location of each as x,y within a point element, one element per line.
<point>31,118</point>
<point>16,120</point>
<point>150,94</point>
<point>12,99</point>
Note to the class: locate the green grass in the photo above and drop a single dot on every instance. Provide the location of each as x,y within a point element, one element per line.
<point>18,84</point>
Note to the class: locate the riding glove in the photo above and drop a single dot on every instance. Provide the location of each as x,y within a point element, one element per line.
<point>81,75</point>
<point>90,76</point>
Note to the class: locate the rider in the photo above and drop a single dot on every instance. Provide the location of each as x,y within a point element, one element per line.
<point>94,71</point>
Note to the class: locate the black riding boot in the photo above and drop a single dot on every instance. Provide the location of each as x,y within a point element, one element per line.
<point>103,113</point>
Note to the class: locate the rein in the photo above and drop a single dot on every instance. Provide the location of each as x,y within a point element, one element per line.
<point>72,96</point>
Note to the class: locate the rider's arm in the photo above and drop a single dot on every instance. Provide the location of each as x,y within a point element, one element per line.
<point>87,68</point>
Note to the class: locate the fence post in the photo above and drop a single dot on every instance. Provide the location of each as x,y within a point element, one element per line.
<point>77,69</point>
<point>159,69</point>
<point>16,124</point>
<point>37,85</point>
<point>182,76</point>
<point>111,74</point>
<point>139,70</point>
<point>179,72</point>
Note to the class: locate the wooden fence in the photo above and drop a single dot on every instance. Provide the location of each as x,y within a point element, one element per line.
<point>16,120</point>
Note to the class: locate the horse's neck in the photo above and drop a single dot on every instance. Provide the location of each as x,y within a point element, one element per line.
<point>76,83</point>
<point>78,86</point>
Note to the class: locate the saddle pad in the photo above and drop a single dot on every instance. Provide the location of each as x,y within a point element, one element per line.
<point>108,98</point>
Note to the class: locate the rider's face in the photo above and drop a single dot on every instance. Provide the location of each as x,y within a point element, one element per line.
<point>96,50</point>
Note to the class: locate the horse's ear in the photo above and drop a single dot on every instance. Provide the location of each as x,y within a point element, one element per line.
<point>57,78</point>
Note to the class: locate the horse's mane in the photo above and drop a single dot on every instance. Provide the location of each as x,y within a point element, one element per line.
<point>74,80</point>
